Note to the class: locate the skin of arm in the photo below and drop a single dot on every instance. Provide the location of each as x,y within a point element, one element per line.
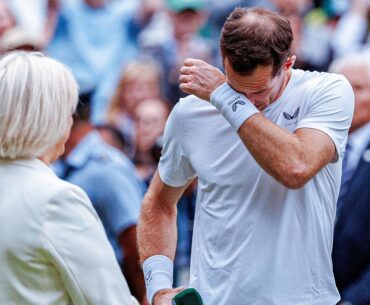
<point>157,230</point>
<point>291,158</point>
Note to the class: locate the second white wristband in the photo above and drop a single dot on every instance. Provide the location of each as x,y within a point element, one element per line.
<point>158,275</point>
<point>234,106</point>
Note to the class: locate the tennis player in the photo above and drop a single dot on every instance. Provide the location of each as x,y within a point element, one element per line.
<point>266,142</point>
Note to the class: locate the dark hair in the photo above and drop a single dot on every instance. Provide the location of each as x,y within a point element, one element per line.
<point>254,36</point>
<point>116,134</point>
<point>83,110</point>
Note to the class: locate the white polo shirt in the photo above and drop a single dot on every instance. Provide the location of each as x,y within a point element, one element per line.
<point>255,241</point>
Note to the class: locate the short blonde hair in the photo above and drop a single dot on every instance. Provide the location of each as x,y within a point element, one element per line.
<point>37,97</point>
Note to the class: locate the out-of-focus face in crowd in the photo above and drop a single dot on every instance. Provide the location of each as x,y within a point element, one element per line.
<point>137,90</point>
<point>140,80</point>
<point>292,7</point>
<point>151,116</point>
<point>187,22</point>
<point>294,10</point>
<point>6,19</point>
<point>359,77</point>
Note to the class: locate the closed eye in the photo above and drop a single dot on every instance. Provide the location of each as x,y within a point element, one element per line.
<point>260,92</point>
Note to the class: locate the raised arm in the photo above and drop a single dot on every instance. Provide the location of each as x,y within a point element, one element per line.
<point>291,158</point>
<point>157,237</point>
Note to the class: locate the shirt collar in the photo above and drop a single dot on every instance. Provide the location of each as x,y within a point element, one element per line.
<point>32,163</point>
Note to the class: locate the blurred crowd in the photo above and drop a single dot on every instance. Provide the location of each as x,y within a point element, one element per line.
<point>126,56</point>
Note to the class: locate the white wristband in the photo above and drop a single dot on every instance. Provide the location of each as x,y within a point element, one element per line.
<point>234,106</point>
<point>158,275</point>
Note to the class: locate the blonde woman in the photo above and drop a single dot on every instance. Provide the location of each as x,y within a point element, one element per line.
<point>53,248</point>
<point>140,80</point>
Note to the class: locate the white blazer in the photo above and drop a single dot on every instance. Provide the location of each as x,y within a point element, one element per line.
<point>53,248</point>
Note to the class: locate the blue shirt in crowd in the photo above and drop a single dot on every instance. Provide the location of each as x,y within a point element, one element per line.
<point>109,179</point>
<point>95,43</point>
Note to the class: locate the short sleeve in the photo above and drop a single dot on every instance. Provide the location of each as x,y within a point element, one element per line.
<point>174,166</point>
<point>331,110</point>
<point>77,245</point>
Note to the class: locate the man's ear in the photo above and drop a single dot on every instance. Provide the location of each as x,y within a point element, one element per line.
<point>290,62</point>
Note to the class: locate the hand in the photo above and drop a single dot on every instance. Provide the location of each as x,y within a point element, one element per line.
<point>199,78</point>
<point>165,296</point>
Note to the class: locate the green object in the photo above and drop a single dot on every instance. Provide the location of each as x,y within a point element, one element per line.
<point>181,5</point>
<point>188,297</point>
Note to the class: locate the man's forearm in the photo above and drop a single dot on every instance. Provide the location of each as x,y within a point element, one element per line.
<point>157,240</point>
<point>282,154</point>
<point>157,229</point>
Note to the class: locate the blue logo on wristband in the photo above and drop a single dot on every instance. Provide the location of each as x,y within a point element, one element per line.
<point>148,277</point>
<point>235,105</point>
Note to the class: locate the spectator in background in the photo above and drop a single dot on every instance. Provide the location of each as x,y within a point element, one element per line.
<point>140,80</point>
<point>218,12</point>
<point>173,36</point>
<point>96,38</point>
<point>352,33</point>
<point>351,248</point>
<point>112,136</point>
<point>109,179</point>
<point>312,32</point>
<point>334,8</point>
<point>150,118</point>
<point>294,10</point>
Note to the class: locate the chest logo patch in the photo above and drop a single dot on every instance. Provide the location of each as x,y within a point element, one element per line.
<point>291,117</point>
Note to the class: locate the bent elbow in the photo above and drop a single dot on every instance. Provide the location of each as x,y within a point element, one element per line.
<point>294,185</point>
<point>295,178</point>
